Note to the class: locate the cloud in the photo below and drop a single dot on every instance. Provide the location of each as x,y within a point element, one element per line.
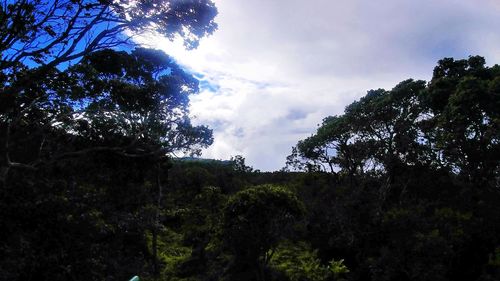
<point>275,69</point>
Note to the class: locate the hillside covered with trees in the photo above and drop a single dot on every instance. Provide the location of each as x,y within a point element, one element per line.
<point>404,185</point>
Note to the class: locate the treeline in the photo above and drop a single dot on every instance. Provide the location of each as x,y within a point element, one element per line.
<point>416,178</point>
<point>87,127</point>
<point>403,186</point>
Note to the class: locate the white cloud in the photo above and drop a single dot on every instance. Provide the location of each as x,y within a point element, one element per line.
<point>280,66</point>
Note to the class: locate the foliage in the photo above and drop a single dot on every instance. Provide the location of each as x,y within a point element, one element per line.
<point>39,36</point>
<point>451,123</point>
<point>399,184</point>
<point>255,220</point>
<point>86,133</point>
<point>48,33</point>
<point>171,252</point>
<point>404,185</point>
<point>300,263</point>
<point>238,162</point>
<point>385,191</point>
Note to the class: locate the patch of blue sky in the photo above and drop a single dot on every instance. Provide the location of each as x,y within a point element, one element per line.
<point>198,76</point>
<point>296,114</point>
<point>206,85</point>
<point>445,47</point>
<point>217,124</point>
<point>239,132</point>
<point>262,85</point>
<point>302,132</point>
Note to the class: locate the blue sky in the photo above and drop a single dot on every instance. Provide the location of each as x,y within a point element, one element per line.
<point>276,68</point>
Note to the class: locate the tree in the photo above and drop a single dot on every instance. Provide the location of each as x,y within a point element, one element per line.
<point>238,163</point>
<point>52,32</point>
<point>462,100</point>
<point>254,221</point>
<point>332,148</point>
<point>425,199</point>
<point>134,105</point>
<point>38,36</point>
<point>451,123</point>
<point>94,147</point>
<point>377,133</point>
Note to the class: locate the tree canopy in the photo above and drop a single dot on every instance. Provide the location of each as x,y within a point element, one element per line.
<point>87,133</point>
<point>52,32</point>
<point>450,123</point>
<point>404,185</point>
<point>108,93</point>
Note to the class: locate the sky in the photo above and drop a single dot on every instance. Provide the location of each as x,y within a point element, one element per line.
<point>275,68</point>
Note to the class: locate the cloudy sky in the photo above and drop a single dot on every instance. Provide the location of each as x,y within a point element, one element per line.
<point>275,68</point>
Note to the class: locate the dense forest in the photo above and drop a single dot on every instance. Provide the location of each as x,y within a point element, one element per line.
<point>404,185</point>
